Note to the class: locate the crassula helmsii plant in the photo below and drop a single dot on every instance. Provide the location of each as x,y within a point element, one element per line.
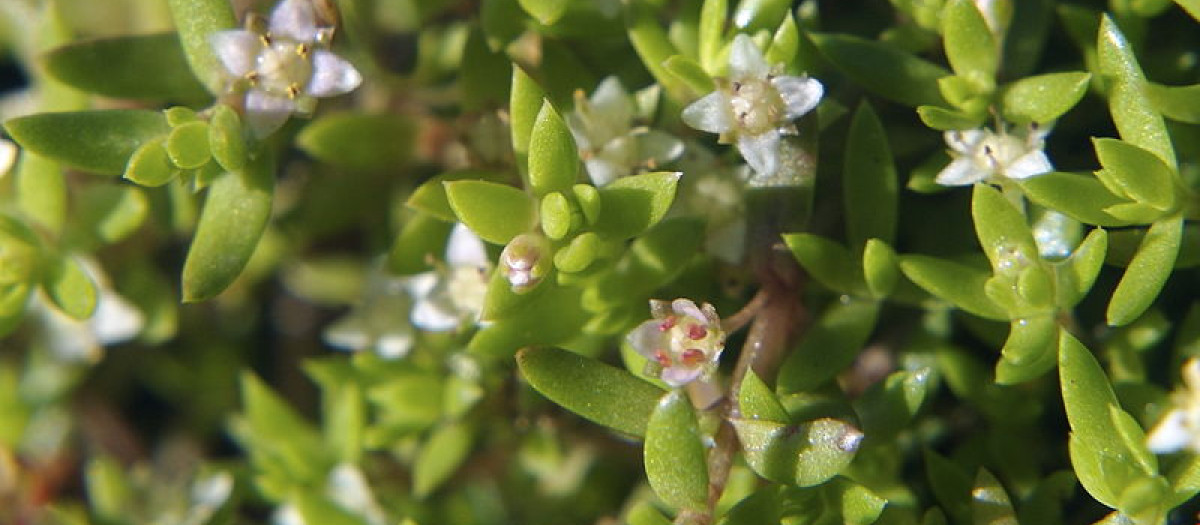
<point>599,261</point>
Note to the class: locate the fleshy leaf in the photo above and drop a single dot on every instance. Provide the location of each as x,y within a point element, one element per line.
<point>525,103</point>
<point>445,450</point>
<point>117,67</point>
<point>553,159</point>
<point>1180,103</point>
<point>959,284</point>
<point>545,11</point>
<point>883,69</point>
<point>970,46</point>
<point>1043,98</point>
<point>196,21</point>
<point>359,141</point>
<point>226,138</point>
<point>430,197</point>
<point>829,346</point>
<point>1029,351</point>
<point>235,215</point>
<point>1147,272</point>
<point>1075,276</point>
<point>150,165</point>
<point>871,183</point>
<point>632,204</point>
<point>602,393</point>
<point>495,212</point>
<point>807,454</point>
<point>69,287</point>
<point>111,212</point>
<point>674,455</point>
<point>989,501</point>
<point>943,119</point>
<point>757,401</point>
<point>881,268</point>
<point>1001,228</point>
<point>754,15</point>
<point>422,239</point>
<point>828,262</point>
<point>1136,119</point>
<point>1080,197</point>
<point>690,73</point>
<point>97,141</point>
<point>1135,173</point>
<point>187,145</point>
<point>889,405</point>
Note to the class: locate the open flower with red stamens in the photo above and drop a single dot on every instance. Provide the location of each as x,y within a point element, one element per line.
<point>683,341</point>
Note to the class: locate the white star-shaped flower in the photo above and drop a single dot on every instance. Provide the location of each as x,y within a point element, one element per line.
<point>1180,427</point>
<point>446,297</point>
<point>283,70</point>
<point>611,147</point>
<point>684,340</point>
<point>982,154</point>
<point>379,322</point>
<point>755,106</point>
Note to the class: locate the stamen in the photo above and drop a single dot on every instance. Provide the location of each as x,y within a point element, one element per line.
<point>293,90</point>
<point>696,332</point>
<point>265,39</point>
<point>661,357</point>
<point>303,50</point>
<point>692,357</point>
<point>667,324</point>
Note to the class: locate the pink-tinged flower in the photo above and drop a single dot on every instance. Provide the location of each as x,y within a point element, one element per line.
<point>982,154</point>
<point>284,69</point>
<point>755,106</point>
<point>1180,427</point>
<point>682,340</point>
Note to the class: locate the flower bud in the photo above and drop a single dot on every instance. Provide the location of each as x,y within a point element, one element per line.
<point>525,261</point>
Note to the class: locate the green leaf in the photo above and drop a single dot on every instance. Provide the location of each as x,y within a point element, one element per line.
<point>713,15</point>
<point>1043,98</point>
<point>545,11</point>
<point>525,104</point>
<point>601,393</point>
<point>881,268</point>
<point>556,215</point>
<point>1135,173</point>
<point>1147,272</point>
<point>315,507</point>
<point>757,401</point>
<point>785,44</point>
<point>870,183</point>
<point>970,46</point>
<point>148,67</point>
<point>805,455</point>
<point>196,21</point>
<point>755,15</point>
<point>108,490</point>
<point>150,165</point>
<point>1080,197</point>
<point>278,439</point>
<point>829,346</point>
<point>41,191</point>
<point>959,284</point>
<point>1001,228</point>
<point>484,75</point>
<point>1136,119</point>
<point>69,286</point>
<point>111,212</point>
<point>421,240</point>
<point>343,406</point>
<point>1134,439</point>
<point>359,141</point>
<point>674,455</point>
<point>495,212</point>
<point>1191,6</point>
<point>235,215</point>
<point>187,145</point>
<point>951,485</point>
<point>631,205</point>
<point>578,254</point>
<point>889,405</point>
<point>828,262</point>
<point>691,73</point>
<point>1180,103</point>
<point>943,119</point>
<point>989,502</point>
<point>1074,277</point>
<point>442,454</point>
<point>553,159</point>
<point>97,141</point>
<point>226,138</point>
<point>552,316</point>
<point>883,69</point>
<point>1029,351</point>
<point>653,46</point>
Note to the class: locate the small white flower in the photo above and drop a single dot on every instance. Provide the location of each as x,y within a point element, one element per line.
<point>684,340</point>
<point>348,487</point>
<point>1180,427</point>
<point>610,146</point>
<point>284,69</point>
<point>380,322</point>
<point>982,154</point>
<point>755,107</point>
<point>525,261</point>
<point>445,297</point>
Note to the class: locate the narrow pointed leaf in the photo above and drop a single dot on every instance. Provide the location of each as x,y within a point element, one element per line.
<point>1133,113</point>
<point>442,454</point>
<point>959,284</point>
<point>69,287</point>
<point>1180,103</point>
<point>871,184</point>
<point>757,401</point>
<point>1147,272</point>
<point>553,159</point>
<point>989,502</point>
<point>360,141</point>
<point>828,346</point>
<point>1029,351</point>
<point>1075,276</point>
<point>1080,197</point>
<point>970,46</point>
<point>96,141</point>
<point>674,455</point>
<point>1001,228</point>
<point>826,261</point>
<point>1043,98</point>
<point>631,205</point>
<point>602,393</point>
<point>883,69</point>
<point>495,212</point>
<point>149,67</point>
<point>196,21</point>
<point>1136,172</point>
<point>235,215</point>
<point>806,455</point>
<point>545,11</point>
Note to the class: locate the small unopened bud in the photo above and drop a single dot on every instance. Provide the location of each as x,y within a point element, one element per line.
<point>525,261</point>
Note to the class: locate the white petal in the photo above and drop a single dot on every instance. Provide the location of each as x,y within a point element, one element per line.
<point>800,94</point>
<point>646,338</point>
<point>419,286</point>
<point>960,172</point>
<point>658,146</point>
<point>1191,373</point>
<point>601,171</point>
<point>394,345</point>
<point>332,75</point>
<point>348,333</point>
<point>964,140</point>
<point>348,487</point>
<point>8,156</point>
<point>1170,434</point>
<point>212,491</point>
<point>434,316</point>
<point>465,249</point>
<point>612,102</point>
<point>688,308</point>
<point>266,112</point>
<point>678,376</point>
<point>746,61</point>
<point>1028,165</point>
<point>287,514</point>
<point>711,113</point>
<point>69,339</point>
<point>115,319</point>
<point>761,152</point>
<point>294,19</point>
<point>237,49</point>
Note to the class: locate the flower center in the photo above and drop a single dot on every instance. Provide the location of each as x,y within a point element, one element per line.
<point>997,151</point>
<point>284,67</point>
<point>756,104</point>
